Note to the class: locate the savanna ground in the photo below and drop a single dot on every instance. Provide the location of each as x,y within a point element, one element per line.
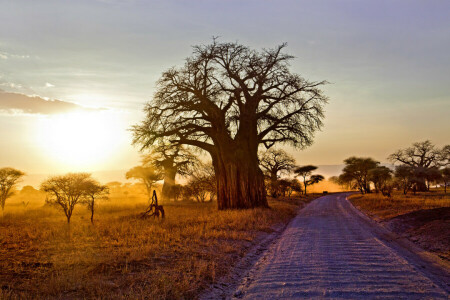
<point>124,256</point>
<point>423,218</point>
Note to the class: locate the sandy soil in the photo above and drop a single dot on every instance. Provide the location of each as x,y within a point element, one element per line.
<point>331,250</point>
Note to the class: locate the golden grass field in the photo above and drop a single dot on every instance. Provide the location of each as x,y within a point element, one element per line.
<point>123,256</point>
<point>384,208</point>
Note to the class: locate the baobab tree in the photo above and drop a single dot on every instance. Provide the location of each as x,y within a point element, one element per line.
<point>276,162</point>
<point>66,191</point>
<point>228,100</point>
<point>173,161</point>
<point>422,156</point>
<point>8,179</point>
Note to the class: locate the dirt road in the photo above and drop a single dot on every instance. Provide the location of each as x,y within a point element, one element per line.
<point>331,250</point>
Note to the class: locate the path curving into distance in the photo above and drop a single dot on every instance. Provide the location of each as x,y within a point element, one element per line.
<point>331,250</point>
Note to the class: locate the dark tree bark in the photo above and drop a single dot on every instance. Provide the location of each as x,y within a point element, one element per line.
<point>228,100</point>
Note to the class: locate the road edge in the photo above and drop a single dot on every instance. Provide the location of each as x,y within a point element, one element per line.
<point>425,262</point>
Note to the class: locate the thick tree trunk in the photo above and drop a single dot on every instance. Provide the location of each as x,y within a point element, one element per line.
<point>240,181</point>
<point>169,182</point>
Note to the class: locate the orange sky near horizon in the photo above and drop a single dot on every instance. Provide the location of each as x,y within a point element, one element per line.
<point>387,64</point>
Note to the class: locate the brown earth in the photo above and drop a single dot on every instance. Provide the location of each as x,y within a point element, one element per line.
<point>429,228</point>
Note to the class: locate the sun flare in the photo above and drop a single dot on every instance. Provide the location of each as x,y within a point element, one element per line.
<point>79,139</point>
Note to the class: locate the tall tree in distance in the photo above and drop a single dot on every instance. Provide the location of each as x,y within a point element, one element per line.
<point>445,177</point>
<point>94,191</point>
<point>356,172</point>
<point>173,160</point>
<point>305,172</point>
<point>227,100</point>
<point>276,162</point>
<point>148,176</point>
<point>8,179</point>
<point>423,156</point>
<point>379,176</point>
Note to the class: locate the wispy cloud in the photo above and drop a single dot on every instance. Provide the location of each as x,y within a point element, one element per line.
<point>15,102</point>
<point>6,55</point>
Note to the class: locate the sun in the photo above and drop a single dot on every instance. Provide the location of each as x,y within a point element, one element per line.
<point>79,140</point>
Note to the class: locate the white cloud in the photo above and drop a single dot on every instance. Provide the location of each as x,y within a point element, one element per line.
<point>6,55</point>
<point>49,85</point>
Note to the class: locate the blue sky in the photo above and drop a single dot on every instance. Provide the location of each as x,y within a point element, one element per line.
<point>388,64</point>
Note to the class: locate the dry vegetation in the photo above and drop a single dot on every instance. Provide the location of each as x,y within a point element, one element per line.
<point>384,208</point>
<point>423,218</point>
<point>123,256</point>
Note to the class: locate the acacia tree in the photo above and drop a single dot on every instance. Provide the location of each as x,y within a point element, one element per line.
<point>148,176</point>
<point>405,177</point>
<point>227,100</point>
<point>316,178</point>
<point>356,172</point>
<point>66,191</point>
<point>422,155</point>
<point>294,186</point>
<point>8,179</point>
<point>305,172</point>
<point>379,176</point>
<point>93,191</point>
<point>172,160</point>
<point>276,162</point>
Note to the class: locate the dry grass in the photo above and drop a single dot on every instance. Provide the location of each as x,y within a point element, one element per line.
<point>122,256</point>
<point>384,208</point>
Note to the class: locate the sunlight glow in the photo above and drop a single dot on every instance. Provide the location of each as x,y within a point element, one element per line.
<point>81,139</point>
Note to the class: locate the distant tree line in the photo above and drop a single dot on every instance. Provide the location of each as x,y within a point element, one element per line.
<point>415,169</point>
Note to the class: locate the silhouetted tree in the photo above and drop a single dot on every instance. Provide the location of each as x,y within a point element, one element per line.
<point>9,177</point>
<point>176,191</point>
<point>172,160</point>
<point>147,175</point>
<point>66,191</point>
<point>356,172</point>
<point>422,155</point>
<point>203,182</point>
<point>227,100</point>
<point>445,177</point>
<point>405,177</point>
<point>305,172</point>
<point>283,186</point>
<point>276,162</point>
<point>316,178</point>
<point>294,186</point>
<point>93,191</point>
<point>379,175</point>
<point>432,174</point>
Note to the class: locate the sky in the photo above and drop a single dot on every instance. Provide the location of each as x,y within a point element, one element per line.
<point>75,75</point>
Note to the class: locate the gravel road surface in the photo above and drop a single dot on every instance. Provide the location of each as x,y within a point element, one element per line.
<point>331,250</point>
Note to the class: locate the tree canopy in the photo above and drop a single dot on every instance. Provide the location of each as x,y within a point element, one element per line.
<point>227,100</point>
<point>305,172</point>
<point>356,172</point>
<point>66,191</point>
<point>275,162</point>
<point>8,179</point>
